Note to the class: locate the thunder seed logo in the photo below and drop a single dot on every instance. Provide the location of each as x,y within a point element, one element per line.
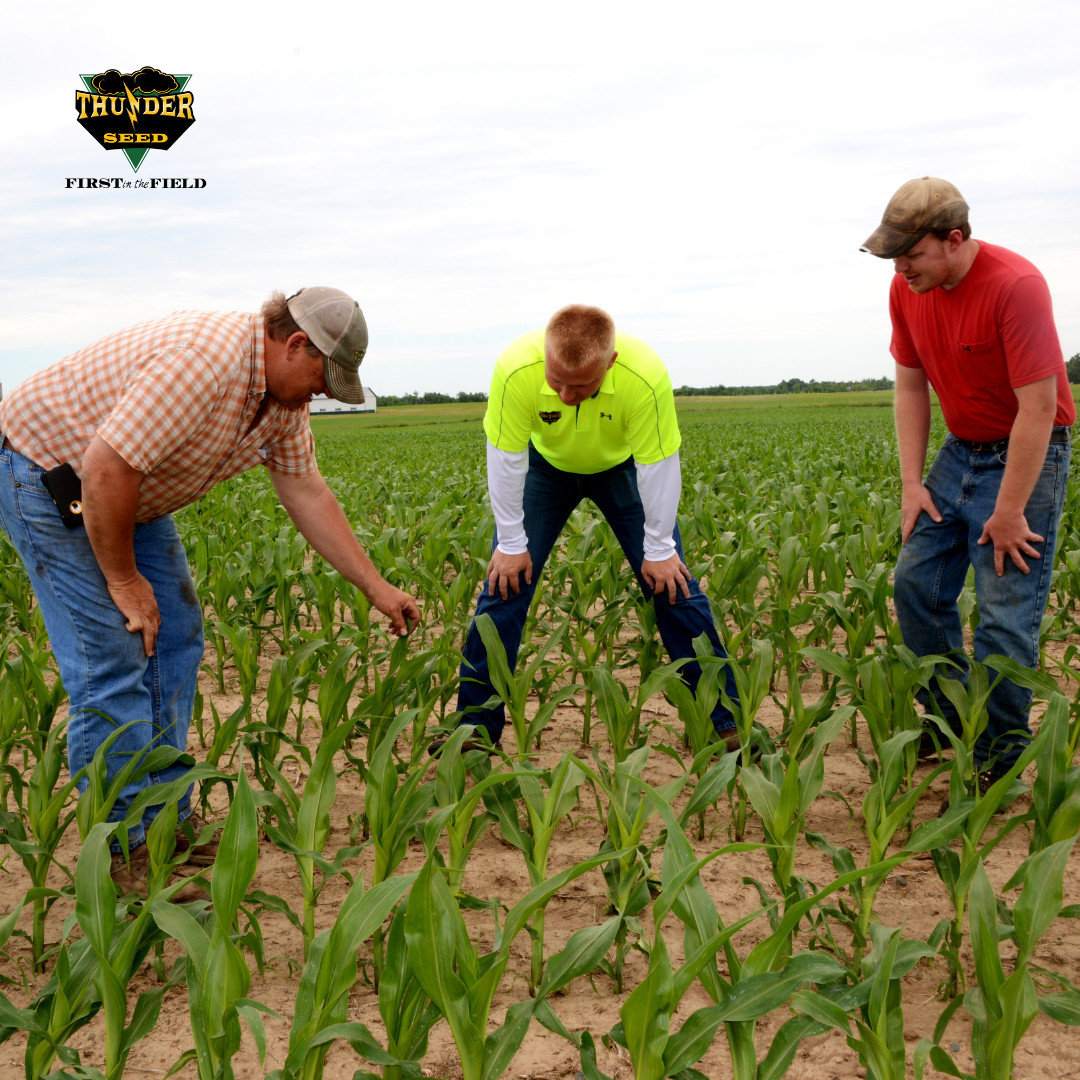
<point>146,110</point>
<point>550,417</point>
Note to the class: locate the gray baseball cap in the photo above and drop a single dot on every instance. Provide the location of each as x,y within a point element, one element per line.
<point>919,207</point>
<point>335,325</point>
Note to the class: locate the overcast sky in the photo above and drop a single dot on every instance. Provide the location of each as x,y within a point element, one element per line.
<point>704,171</point>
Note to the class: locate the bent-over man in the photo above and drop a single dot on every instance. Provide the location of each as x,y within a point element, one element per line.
<point>149,419</point>
<point>579,411</point>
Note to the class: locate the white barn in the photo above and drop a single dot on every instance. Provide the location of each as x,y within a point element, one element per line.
<point>322,405</point>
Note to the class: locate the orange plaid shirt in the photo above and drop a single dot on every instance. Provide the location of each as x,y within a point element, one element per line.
<point>174,398</point>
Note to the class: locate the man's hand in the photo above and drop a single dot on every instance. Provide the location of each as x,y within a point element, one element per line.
<point>399,607</point>
<point>503,572</point>
<point>134,597</point>
<point>1011,536</point>
<point>667,576</point>
<point>913,502</point>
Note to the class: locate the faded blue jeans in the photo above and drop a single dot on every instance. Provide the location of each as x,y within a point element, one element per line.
<point>108,678</point>
<point>550,497</point>
<point>932,567</point>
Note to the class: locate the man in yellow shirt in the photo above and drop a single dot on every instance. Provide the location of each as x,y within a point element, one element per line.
<point>579,411</point>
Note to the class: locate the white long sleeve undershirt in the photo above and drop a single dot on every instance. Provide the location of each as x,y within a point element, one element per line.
<point>659,484</point>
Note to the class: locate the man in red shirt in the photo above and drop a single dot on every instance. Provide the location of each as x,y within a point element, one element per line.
<point>974,321</point>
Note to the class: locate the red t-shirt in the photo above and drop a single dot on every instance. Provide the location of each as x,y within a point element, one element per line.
<point>991,332</point>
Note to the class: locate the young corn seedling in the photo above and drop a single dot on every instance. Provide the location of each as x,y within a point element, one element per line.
<point>1003,1006</point>
<point>395,806</point>
<point>457,817</point>
<point>121,947</point>
<point>781,788</point>
<point>756,987</point>
<point>48,816</point>
<point>218,977</point>
<point>514,689</point>
<point>875,1006</point>
<point>957,868</point>
<point>303,824</point>
<point>461,982</point>
<point>620,712</point>
<point>548,797</point>
<point>752,682</point>
<point>320,1011</point>
<point>627,876</point>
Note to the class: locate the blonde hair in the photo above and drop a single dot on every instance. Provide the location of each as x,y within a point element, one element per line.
<point>579,335</point>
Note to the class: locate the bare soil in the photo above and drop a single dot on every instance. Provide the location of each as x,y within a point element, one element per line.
<point>912,898</point>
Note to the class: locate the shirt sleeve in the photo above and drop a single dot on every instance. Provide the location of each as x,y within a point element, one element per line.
<point>660,485</point>
<point>901,346</point>
<point>652,428</point>
<point>511,403</point>
<point>506,472</point>
<point>1028,333</point>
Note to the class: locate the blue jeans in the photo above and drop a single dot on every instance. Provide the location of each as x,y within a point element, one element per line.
<point>933,565</point>
<point>108,678</point>
<point>550,497</point>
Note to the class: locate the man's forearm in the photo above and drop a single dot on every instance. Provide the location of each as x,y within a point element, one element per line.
<point>318,516</point>
<point>912,431</point>
<point>110,498</point>
<point>1028,441</point>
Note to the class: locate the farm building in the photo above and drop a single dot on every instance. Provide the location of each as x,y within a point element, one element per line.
<point>321,405</point>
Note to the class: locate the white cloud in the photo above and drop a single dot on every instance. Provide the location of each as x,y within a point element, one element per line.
<point>706,173</point>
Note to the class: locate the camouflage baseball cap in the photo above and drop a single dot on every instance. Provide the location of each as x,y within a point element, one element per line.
<point>919,207</point>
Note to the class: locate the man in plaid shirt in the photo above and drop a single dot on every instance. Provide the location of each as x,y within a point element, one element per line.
<point>150,419</point>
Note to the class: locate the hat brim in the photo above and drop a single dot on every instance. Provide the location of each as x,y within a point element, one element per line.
<point>342,385</point>
<point>887,243</point>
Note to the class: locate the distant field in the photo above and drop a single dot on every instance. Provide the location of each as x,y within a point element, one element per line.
<point>473,412</point>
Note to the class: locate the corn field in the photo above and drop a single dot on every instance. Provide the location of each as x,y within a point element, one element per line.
<point>607,897</point>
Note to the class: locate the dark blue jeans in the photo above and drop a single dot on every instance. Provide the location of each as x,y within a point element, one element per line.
<point>550,497</point>
<point>934,562</point>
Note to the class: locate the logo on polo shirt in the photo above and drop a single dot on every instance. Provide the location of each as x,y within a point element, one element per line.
<point>135,113</point>
<point>550,417</point>
<point>606,416</point>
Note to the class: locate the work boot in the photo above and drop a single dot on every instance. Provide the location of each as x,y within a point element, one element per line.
<point>131,877</point>
<point>732,745</point>
<point>203,852</point>
<point>477,742</point>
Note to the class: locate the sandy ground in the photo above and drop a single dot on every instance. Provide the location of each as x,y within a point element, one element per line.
<point>912,898</point>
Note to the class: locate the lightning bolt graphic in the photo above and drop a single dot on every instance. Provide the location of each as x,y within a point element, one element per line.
<point>133,112</point>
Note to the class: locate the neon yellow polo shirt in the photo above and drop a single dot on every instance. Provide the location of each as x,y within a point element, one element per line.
<point>633,412</point>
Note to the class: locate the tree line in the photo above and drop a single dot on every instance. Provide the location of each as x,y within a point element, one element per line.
<point>787,386</point>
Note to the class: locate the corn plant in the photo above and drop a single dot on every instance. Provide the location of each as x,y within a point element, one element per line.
<point>218,977</point>
<point>48,814</point>
<point>463,983</point>
<point>120,948</point>
<point>513,689</point>
<point>620,711</point>
<point>782,786</point>
<point>303,823</point>
<point>548,797</point>
<point>1001,1005</point>
<point>878,1038</point>
<point>395,806</point>
<point>322,997</point>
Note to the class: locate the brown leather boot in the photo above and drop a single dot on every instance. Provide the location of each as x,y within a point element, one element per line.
<point>188,836</point>
<point>131,877</point>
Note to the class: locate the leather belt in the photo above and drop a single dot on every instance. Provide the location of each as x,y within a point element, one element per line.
<point>1058,435</point>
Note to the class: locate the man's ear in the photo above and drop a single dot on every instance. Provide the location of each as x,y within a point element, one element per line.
<point>296,343</point>
<point>612,360</point>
